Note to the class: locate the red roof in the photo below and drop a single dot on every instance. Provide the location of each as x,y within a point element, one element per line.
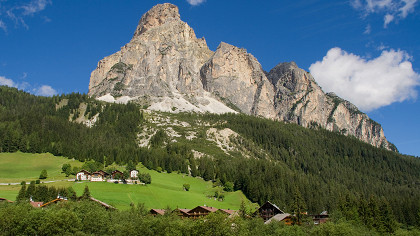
<point>36,204</point>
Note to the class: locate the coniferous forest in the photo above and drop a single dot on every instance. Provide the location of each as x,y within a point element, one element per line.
<point>330,171</point>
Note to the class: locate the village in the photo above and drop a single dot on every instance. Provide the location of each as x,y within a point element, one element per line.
<point>115,176</point>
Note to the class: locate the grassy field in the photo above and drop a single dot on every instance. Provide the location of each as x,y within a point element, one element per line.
<point>165,189</point>
<point>18,167</point>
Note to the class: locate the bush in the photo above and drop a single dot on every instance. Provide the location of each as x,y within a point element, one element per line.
<point>37,181</point>
<point>43,174</point>
<point>186,187</point>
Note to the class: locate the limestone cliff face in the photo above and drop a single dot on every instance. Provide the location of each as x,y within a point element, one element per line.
<point>237,76</point>
<point>163,58</point>
<point>168,68</point>
<point>299,99</point>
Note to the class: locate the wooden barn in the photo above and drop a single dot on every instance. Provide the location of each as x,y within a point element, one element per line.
<point>268,210</point>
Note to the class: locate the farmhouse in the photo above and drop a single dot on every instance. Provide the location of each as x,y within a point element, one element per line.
<point>155,212</point>
<point>97,177</point>
<point>201,211</point>
<point>321,218</point>
<point>83,175</point>
<point>268,210</point>
<point>183,213</point>
<point>117,175</point>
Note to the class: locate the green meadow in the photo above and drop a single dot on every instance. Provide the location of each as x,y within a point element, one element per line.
<point>18,167</point>
<point>166,189</point>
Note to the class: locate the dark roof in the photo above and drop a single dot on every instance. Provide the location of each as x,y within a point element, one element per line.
<point>4,199</point>
<point>84,171</point>
<point>209,209</point>
<point>103,172</point>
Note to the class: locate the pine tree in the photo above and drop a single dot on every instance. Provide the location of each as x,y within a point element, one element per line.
<point>86,193</point>
<point>22,193</point>
<point>298,207</point>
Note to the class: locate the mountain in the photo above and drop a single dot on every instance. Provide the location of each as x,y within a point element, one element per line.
<point>165,67</point>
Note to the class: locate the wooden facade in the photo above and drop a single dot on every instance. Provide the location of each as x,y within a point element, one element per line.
<point>321,218</point>
<point>267,211</point>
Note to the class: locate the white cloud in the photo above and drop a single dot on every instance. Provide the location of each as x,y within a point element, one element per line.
<point>34,6</point>
<point>195,2</point>
<point>45,90</point>
<point>7,82</point>
<point>17,12</point>
<point>390,8</point>
<point>369,84</point>
<point>387,19</point>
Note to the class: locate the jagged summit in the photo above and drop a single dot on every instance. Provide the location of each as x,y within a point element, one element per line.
<point>166,67</point>
<point>158,15</point>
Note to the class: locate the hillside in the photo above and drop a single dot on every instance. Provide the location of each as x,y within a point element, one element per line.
<point>267,160</point>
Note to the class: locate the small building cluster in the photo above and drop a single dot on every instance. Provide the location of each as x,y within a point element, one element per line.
<point>100,176</point>
<point>269,212</point>
<point>195,213</point>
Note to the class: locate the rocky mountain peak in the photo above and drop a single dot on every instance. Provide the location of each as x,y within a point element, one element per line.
<point>158,15</point>
<point>166,67</point>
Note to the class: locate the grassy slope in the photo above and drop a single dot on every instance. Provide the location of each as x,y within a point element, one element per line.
<point>165,190</point>
<point>17,167</point>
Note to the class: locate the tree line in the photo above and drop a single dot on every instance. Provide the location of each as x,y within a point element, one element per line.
<point>326,166</point>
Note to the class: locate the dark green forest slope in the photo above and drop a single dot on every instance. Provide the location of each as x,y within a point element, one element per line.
<point>331,171</point>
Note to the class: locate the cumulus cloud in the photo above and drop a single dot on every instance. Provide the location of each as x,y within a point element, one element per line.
<point>390,8</point>
<point>195,2</point>
<point>7,82</point>
<point>18,11</point>
<point>369,84</point>
<point>45,90</point>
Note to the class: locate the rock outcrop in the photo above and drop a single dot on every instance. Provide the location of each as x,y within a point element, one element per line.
<point>299,99</point>
<point>237,77</point>
<point>166,67</point>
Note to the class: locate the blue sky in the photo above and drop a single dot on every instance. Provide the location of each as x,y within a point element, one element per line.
<point>366,51</point>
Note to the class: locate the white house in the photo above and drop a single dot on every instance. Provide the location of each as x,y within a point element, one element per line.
<point>134,174</point>
<point>83,175</point>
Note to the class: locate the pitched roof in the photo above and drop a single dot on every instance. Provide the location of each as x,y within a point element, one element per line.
<point>158,211</point>
<point>4,199</point>
<point>209,209</point>
<point>229,212</point>
<point>84,171</point>
<point>36,204</point>
<point>184,210</point>
<point>278,217</point>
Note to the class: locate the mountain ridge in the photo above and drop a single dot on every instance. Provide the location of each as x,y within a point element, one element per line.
<point>166,67</point>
